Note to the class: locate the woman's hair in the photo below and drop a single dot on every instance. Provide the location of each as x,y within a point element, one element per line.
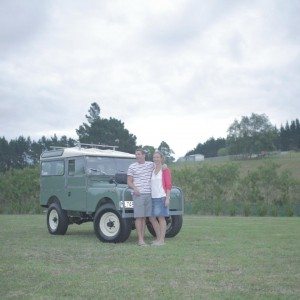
<point>161,155</point>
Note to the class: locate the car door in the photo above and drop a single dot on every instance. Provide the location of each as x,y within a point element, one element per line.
<point>76,185</point>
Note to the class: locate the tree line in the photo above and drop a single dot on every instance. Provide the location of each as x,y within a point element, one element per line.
<point>252,135</point>
<point>24,152</point>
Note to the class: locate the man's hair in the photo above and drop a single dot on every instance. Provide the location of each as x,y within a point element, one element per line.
<point>141,150</point>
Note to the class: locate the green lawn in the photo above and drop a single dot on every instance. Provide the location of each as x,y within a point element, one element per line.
<point>211,258</point>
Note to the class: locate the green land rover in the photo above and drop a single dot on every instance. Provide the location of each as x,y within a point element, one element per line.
<point>88,183</point>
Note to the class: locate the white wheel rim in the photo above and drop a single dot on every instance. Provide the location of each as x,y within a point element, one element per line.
<point>109,224</point>
<point>53,220</point>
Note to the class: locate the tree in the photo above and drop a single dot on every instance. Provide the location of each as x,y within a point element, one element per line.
<point>105,131</point>
<point>223,152</point>
<point>4,155</point>
<point>209,148</point>
<point>94,113</point>
<point>251,135</point>
<point>289,136</point>
<point>297,134</point>
<point>165,149</point>
<point>19,152</point>
<point>149,151</point>
<point>44,143</point>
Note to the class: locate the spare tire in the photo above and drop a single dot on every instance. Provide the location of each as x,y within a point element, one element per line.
<point>174,224</point>
<point>121,178</point>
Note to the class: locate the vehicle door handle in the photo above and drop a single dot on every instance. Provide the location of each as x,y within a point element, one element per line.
<point>69,194</point>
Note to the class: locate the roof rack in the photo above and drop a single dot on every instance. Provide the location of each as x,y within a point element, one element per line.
<point>57,147</point>
<point>83,145</point>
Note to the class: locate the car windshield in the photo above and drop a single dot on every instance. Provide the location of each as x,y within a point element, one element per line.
<point>108,165</point>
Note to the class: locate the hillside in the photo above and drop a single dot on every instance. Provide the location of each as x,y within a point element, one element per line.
<point>261,186</point>
<point>286,160</point>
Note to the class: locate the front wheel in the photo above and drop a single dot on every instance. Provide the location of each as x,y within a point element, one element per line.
<point>109,225</point>
<point>174,224</point>
<point>57,219</point>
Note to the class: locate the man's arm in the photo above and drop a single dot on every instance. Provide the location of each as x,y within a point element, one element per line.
<point>132,186</point>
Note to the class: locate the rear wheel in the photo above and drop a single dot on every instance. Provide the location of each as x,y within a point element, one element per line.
<point>109,225</point>
<point>174,224</point>
<point>57,219</point>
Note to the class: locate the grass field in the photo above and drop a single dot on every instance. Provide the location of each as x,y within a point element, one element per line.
<point>211,258</point>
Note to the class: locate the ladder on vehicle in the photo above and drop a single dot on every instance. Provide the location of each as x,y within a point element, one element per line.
<point>79,145</point>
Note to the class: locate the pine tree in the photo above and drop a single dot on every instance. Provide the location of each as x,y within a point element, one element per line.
<point>165,149</point>
<point>105,131</point>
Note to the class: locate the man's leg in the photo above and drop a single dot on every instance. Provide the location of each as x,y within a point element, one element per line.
<point>138,214</point>
<point>140,228</point>
<point>143,227</point>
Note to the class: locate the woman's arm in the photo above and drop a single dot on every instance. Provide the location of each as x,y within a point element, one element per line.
<point>167,184</point>
<point>167,202</point>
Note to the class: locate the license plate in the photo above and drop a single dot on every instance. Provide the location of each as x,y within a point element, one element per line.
<point>128,204</point>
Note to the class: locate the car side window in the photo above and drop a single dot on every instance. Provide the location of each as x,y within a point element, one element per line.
<point>52,168</point>
<point>101,165</point>
<point>76,167</point>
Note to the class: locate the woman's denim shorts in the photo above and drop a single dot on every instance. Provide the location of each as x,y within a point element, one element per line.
<point>158,207</point>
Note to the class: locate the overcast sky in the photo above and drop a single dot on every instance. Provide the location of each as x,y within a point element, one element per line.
<point>178,71</point>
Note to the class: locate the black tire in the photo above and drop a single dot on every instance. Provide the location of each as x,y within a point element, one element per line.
<point>57,220</point>
<point>174,224</point>
<point>109,225</point>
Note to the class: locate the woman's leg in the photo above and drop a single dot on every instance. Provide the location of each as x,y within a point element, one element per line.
<point>162,228</point>
<point>155,226</point>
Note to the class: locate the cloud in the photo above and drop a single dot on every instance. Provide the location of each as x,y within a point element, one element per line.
<point>20,23</point>
<point>178,71</point>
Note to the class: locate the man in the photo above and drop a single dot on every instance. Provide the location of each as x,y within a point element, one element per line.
<point>139,179</point>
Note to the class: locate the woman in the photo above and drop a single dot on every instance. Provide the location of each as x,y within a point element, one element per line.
<point>161,184</point>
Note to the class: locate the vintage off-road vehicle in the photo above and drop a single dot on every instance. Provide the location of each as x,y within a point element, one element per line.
<point>88,183</point>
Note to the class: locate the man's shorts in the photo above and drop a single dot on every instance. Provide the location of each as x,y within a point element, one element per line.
<point>158,207</point>
<point>142,206</point>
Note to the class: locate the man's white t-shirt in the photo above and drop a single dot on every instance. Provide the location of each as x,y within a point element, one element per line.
<point>141,174</point>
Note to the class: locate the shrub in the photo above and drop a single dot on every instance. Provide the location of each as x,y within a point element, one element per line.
<point>266,187</point>
<point>232,209</point>
<point>208,188</point>
<point>289,211</point>
<point>247,209</point>
<point>262,210</point>
<point>19,191</point>
<point>274,211</point>
<point>221,189</point>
